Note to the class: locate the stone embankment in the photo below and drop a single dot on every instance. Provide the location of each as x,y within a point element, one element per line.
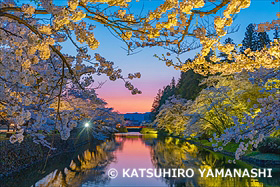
<point>17,156</point>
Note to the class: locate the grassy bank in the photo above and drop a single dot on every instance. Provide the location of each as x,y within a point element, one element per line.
<point>267,157</point>
<point>148,130</point>
<point>231,148</point>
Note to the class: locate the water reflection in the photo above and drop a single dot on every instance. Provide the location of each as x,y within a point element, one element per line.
<point>174,153</point>
<point>134,152</point>
<point>89,166</point>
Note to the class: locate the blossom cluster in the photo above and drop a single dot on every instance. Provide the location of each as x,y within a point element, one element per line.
<point>43,90</point>
<point>243,108</point>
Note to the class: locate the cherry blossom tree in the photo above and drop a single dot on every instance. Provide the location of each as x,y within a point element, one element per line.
<point>171,116</point>
<point>263,119</point>
<point>35,73</point>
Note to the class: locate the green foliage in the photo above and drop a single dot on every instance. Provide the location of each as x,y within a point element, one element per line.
<point>3,136</point>
<point>162,96</point>
<point>226,96</point>
<point>270,145</point>
<point>168,91</point>
<point>229,96</point>
<point>253,153</point>
<point>205,136</point>
<point>230,147</point>
<point>171,117</point>
<point>276,33</point>
<point>225,102</point>
<point>148,131</point>
<point>276,134</point>
<point>162,132</point>
<point>188,85</point>
<point>263,40</point>
<point>122,130</point>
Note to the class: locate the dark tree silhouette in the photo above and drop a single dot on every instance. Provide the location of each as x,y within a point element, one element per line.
<point>263,40</point>
<point>188,85</point>
<point>276,34</point>
<point>251,38</point>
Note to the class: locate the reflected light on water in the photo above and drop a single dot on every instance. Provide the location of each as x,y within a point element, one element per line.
<point>133,150</point>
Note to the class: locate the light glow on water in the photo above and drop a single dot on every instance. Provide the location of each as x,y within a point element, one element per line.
<point>134,151</point>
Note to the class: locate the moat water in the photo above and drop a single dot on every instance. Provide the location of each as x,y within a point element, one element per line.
<point>90,165</point>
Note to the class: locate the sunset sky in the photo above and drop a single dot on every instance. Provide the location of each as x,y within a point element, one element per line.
<point>156,74</point>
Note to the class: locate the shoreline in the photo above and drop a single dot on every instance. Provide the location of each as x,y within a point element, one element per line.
<point>72,145</point>
<point>247,159</point>
<point>18,157</point>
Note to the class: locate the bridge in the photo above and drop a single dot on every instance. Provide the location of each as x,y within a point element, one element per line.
<point>134,128</point>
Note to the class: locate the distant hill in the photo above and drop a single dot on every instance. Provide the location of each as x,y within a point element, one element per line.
<point>138,118</point>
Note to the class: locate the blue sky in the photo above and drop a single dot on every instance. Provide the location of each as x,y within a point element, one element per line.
<point>155,74</point>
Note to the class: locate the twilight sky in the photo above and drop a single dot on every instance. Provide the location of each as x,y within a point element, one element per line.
<point>155,74</point>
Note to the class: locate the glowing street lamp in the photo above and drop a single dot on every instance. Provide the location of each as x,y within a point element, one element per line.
<point>86,124</point>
